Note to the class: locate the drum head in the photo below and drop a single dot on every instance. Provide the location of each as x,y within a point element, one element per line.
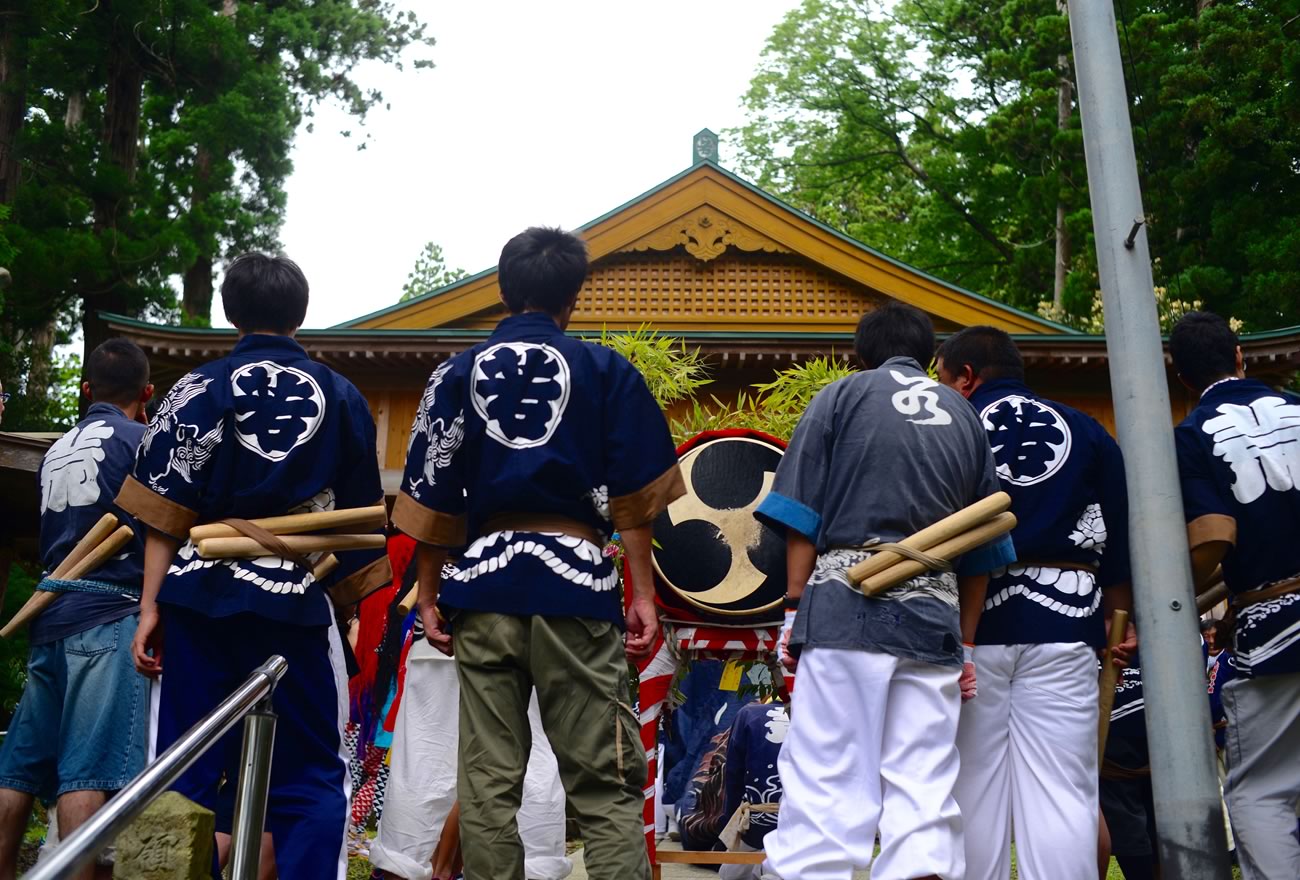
<point>711,555</point>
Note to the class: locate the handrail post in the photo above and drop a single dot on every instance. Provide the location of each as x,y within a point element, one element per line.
<point>251,793</point>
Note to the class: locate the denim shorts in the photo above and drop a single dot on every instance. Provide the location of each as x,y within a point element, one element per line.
<point>83,719</point>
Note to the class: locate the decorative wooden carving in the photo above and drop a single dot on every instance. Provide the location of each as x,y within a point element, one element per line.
<point>706,234</point>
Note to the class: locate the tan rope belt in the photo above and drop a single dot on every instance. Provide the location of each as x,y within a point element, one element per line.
<point>542,522</point>
<point>932,563</point>
<point>1254,597</point>
<point>271,543</point>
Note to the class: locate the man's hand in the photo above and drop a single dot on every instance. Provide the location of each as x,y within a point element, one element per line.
<point>967,680</point>
<point>788,660</point>
<point>433,627</point>
<point>148,640</point>
<point>642,628</point>
<point>1124,651</point>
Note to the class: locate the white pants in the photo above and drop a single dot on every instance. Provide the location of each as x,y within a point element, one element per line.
<point>871,746</point>
<point>1263,791</point>
<point>1028,747</point>
<point>422,779</point>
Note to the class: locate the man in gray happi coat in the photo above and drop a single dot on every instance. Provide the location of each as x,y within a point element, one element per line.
<point>878,456</point>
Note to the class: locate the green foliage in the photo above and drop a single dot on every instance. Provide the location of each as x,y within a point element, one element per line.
<point>675,374</point>
<point>13,650</point>
<point>774,407</point>
<point>429,273</point>
<point>930,129</point>
<point>671,371</point>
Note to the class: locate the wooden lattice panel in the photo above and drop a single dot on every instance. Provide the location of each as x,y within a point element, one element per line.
<point>737,291</point>
<point>734,288</point>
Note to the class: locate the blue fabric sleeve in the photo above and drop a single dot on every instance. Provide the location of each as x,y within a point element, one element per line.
<point>995,554</point>
<point>434,474</point>
<point>1115,567</point>
<point>639,448</point>
<point>799,488</point>
<point>781,512</point>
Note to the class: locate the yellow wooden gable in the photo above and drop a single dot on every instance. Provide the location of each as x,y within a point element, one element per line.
<point>707,251</point>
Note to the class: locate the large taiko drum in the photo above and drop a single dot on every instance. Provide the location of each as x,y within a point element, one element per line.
<point>713,560</point>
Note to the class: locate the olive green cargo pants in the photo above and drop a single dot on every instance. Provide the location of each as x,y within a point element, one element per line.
<point>580,673</point>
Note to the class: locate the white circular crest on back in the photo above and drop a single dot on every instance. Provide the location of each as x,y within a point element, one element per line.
<point>1044,439</point>
<point>520,390</point>
<point>277,408</point>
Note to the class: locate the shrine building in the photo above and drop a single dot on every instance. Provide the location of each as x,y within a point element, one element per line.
<point>753,283</point>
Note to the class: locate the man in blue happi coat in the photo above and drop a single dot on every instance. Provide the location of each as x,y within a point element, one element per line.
<point>78,733</point>
<point>533,448</point>
<point>263,432</point>
<point>1239,464</point>
<point>1029,743</point>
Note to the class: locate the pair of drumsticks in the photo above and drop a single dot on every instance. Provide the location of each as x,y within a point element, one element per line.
<point>108,537</point>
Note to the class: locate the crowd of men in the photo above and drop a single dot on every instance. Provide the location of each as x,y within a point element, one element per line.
<point>929,721</point>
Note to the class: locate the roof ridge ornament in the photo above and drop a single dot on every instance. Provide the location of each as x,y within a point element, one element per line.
<point>705,233</point>
<point>704,147</point>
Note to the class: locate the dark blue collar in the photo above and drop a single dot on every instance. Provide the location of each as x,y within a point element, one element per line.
<point>1232,388</point>
<point>105,409</point>
<point>526,324</point>
<point>255,344</point>
<point>1001,388</point>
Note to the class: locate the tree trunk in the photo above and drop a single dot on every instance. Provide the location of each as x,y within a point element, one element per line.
<point>1064,108</point>
<point>13,97</point>
<point>121,141</point>
<point>196,292</point>
<point>40,351</point>
<point>196,298</point>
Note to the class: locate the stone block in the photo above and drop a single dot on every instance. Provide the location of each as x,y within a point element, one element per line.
<point>171,840</point>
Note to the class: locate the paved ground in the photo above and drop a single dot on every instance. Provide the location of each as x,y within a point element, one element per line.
<point>673,872</point>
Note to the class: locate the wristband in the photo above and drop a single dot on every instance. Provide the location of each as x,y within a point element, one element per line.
<point>967,652</point>
<point>792,603</point>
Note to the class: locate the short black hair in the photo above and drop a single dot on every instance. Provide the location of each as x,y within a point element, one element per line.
<point>266,294</point>
<point>894,330</point>
<point>542,269</point>
<point>1204,349</point>
<point>990,352</point>
<point>117,371</point>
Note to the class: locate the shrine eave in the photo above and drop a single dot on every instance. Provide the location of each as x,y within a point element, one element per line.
<point>368,351</point>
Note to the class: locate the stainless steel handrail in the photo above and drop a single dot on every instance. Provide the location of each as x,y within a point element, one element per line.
<point>84,844</point>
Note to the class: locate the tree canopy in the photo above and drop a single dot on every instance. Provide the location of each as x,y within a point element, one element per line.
<point>429,273</point>
<point>945,132</point>
<point>144,141</point>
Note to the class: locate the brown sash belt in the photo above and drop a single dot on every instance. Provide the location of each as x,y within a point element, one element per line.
<point>1254,597</point>
<point>542,522</point>
<point>272,543</point>
<point>1057,563</point>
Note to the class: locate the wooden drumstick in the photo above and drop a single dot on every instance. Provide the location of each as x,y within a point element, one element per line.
<point>1109,675</point>
<point>947,550</point>
<point>408,600</point>
<point>36,603</point>
<point>42,599</point>
<point>1211,597</point>
<point>355,518</point>
<point>247,548</point>
<point>325,567</point>
<point>945,529</point>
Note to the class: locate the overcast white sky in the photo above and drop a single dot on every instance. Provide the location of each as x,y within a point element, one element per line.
<point>536,113</point>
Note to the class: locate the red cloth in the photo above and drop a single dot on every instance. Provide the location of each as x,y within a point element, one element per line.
<point>374,619</point>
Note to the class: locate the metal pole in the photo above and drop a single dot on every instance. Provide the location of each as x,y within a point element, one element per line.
<point>88,841</point>
<point>250,796</point>
<point>1189,817</point>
